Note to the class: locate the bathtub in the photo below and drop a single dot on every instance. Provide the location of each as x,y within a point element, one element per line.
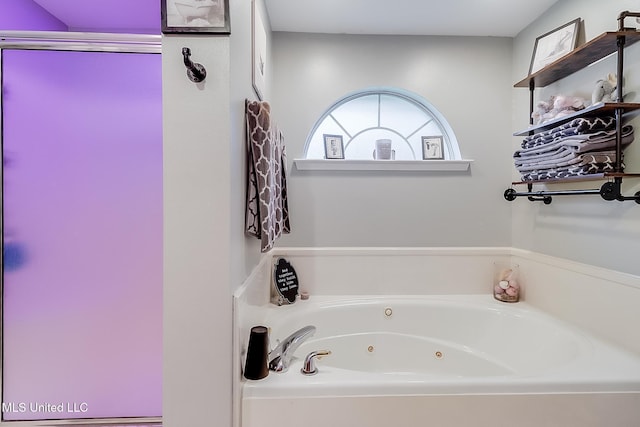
<point>395,361</point>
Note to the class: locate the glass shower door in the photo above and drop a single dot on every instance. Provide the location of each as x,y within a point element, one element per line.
<point>82,235</point>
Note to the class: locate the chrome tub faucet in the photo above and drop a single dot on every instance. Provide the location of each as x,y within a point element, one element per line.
<point>280,357</point>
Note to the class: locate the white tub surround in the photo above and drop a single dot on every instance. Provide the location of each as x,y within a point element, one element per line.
<point>595,299</point>
<point>477,410</point>
<point>394,271</point>
<point>554,358</point>
<point>601,301</point>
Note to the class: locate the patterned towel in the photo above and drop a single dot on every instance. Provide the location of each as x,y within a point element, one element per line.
<point>590,163</point>
<point>573,155</point>
<point>582,170</point>
<point>574,127</point>
<point>583,142</point>
<point>572,146</point>
<point>602,157</point>
<point>267,209</point>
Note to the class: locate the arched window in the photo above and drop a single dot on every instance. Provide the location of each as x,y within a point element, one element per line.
<point>360,119</point>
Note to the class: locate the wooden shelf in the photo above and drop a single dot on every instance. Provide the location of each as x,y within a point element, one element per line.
<point>584,178</point>
<point>591,111</point>
<point>599,48</point>
<point>590,52</point>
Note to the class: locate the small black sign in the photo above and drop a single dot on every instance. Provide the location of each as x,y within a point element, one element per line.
<point>285,280</point>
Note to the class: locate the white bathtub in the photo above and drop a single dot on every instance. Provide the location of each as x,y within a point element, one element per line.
<point>387,352</point>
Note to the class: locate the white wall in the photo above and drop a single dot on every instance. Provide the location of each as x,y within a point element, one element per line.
<point>207,255</point>
<point>582,228</point>
<point>245,251</point>
<point>466,79</point>
<point>197,312</point>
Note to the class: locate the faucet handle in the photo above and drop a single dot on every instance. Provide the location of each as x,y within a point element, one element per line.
<point>309,365</point>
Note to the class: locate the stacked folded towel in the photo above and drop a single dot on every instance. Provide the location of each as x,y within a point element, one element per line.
<point>580,147</point>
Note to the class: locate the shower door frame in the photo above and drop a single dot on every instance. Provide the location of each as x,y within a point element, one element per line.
<point>81,42</point>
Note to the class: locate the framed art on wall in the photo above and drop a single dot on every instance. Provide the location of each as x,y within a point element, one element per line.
<point>259,51</point>
<point>195,16</point>
<point>554,45</point>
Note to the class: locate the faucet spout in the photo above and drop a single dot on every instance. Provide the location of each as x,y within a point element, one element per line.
<point>280,357</point>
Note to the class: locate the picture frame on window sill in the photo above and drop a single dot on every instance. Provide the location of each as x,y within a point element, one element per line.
<point>432,148</point>
<point>333,147</point>
<point>195,16</point>
<point>553,45</point>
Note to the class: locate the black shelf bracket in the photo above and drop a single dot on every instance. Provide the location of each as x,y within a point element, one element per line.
<point>622,17</point>
<point>609,191</point>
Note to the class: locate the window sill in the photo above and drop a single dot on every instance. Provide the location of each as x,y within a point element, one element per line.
<point>382,165</point>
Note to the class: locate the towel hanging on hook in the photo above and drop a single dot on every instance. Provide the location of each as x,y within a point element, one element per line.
<point>267,206</point>
<point>196,72</point>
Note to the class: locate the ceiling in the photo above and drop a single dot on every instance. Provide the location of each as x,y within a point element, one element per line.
<point>135,16</point>
<point>502,18</point>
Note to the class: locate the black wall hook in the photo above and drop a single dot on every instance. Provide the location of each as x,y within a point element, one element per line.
<point>195,71</point>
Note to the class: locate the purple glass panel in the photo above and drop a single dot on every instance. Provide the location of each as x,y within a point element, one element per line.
<point>82,199</point>
<point>26,15</point>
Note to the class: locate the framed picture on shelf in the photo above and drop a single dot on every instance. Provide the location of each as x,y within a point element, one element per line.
<point>432,148</point>
<point>553,45</point>
<point>333,147</point>
<point>195,16</point>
